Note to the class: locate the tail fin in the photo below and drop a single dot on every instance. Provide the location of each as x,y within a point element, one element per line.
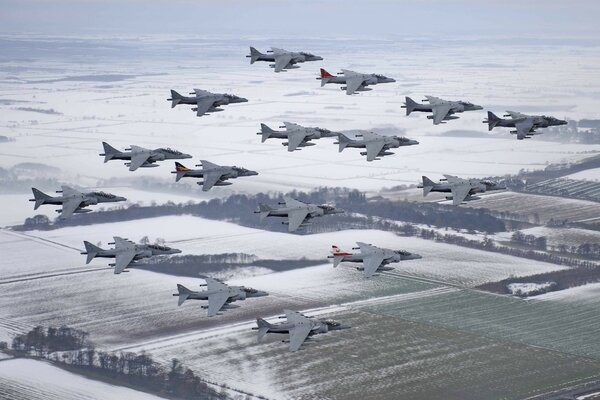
<point>180,171</point>
<point>109,152</point>
<point>343,141</point>
<point>338,255</point>
<point>184,293</point>
<point>39,197</point>
<point>91,251</point>
<point>263,327</point>
<point>266,132</point>
<point>264,210</point>
<point>325,76</point>
<point>492,120</point>
<point>254,55</point>
<point>428,184</point>
<point>175,98</point>
<point>410,105</point>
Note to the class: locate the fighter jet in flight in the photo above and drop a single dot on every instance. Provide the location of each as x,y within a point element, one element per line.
<point>376,145</point>
<point>354,81</point>
<point>125,252</point>
<point>219,295</point>
<point>461,189</point>
<point>73,201</point>
<point>281,59</point>
<point>296,135</point>
<point>298,326</point>
<point>140,157</point>
<point>525,125</point>
<point>443,110</point>
<point>211,174</point>
<point>204,101</point>
<point>373,258</point>
<point>297,213</point>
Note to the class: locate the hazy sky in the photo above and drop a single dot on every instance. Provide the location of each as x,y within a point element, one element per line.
<point>456,18</point>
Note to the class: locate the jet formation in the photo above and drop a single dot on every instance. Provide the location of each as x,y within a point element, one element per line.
<point>298,213</point>
<point>73,201</point>
<point>211,174</point>
<point>282,59</point>
<point>442,110</point>
<point>373,258</point>
<point>125,252</point>
<point>140,157</point>
<point>219,295</point>
<point>354,81</point>
<point>461,189</point>
<point>298,326</point>
<point>525,125</point>
<point>375,145</point>
<point>297,136</point>
<point>205,102</point>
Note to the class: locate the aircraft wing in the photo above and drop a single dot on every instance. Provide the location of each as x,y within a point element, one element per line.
<point>373,149</point>
<point>459,193</point>
<point>213,284</point>
<point>515,115</point>
<point>453,179</point>
<point>440,111</point>
<point>524,128</point>
<point>203,104</point>
<point>209,179</point>
<point>123,259</point>
<point>295,138</point>
<point>296,218</point>
<point>69,207</point>
<point>215,302</point>
<point>69,191</point>
<point>289,202</point>
<point>200,92</point>
<point>353,82</point>
<point>371,262</point>
<point>281,61</point>
<point>138,157</point>
<point>298,335</point>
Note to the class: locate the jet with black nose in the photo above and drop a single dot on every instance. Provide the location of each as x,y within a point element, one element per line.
<point>211,174</point>
<point>442,110</point>
<point>461,189</point>
<point>525,125</point>
<point>375,145</point>
<point>73,201</point>
<point>282,59</point>
<point>297,213</point>
<point>205,102</point>
<point>140,157</point>
<point>353,81</point>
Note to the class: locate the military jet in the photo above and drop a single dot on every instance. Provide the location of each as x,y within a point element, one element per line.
<point>211,174</point>
<point>281,58</point>
<point>443,110</point>
<point>297,213</point>
<point>219,295</point>
<point>299,327</point>
<point>125,252</point>
<point>73,201</point>
<point>373,258</point>
<point>354,81</point>
<point>376,145</point>
<point>525,125</point>
<point>140,157</point>
<point>461,189</point>
<point>296,135</point>
<point>205,101</point>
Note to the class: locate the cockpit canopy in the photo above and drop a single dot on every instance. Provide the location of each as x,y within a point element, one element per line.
<point>170,150</point>
<point>104,194</point>
<point>159,247</point>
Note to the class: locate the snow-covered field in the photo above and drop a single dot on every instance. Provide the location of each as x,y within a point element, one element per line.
<point>587,175</point>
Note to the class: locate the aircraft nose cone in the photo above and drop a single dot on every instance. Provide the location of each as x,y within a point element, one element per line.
<point>175,251</point>
<point>414,142</point>
<point>242,100</point>
<point>120,198</point>
<point>477,108</point>
<point>345,326</point>
<point>186,156</point>
<point>318,58</point>
<point>391,80</point>
<point>252,173</point>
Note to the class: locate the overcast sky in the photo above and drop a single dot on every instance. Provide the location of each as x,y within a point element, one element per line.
<point>455,18</point>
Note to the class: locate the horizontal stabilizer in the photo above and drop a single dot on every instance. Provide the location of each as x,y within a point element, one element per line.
<point>39,197</point>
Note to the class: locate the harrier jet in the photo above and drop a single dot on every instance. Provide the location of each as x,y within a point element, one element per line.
<point>281,58</point>
<point>219,295</point>
<point>211,174</point>
<point>298,326</point>
<point>354,81</point>
<point>461,189</point>
<point>73,201</point>
<point>140,157</point>
<point>443,110</point>
<point>125,252</point>
<point>204,101</point>
<point>376,145</point>
<point>296,135</point>
<point>525,124</point>
<point>373,258</point>
<point>297,213</point>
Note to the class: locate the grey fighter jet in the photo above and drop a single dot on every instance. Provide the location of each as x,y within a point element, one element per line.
<point>140,157</point>
<point>299,327</point>
<point>219,295</point>
<point>125,252</point>
<point>376,145</point>
<point>354,81</point>
<point>525,125</point>
<point>296,135</point>
<point>281,59</point>
<point>373,258</point>
<point>211,174</point>
<point>204,101</point>
<point>297,213</point>
<point>73,201</point>
<point>443,110</point>
<point>461,189</point>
